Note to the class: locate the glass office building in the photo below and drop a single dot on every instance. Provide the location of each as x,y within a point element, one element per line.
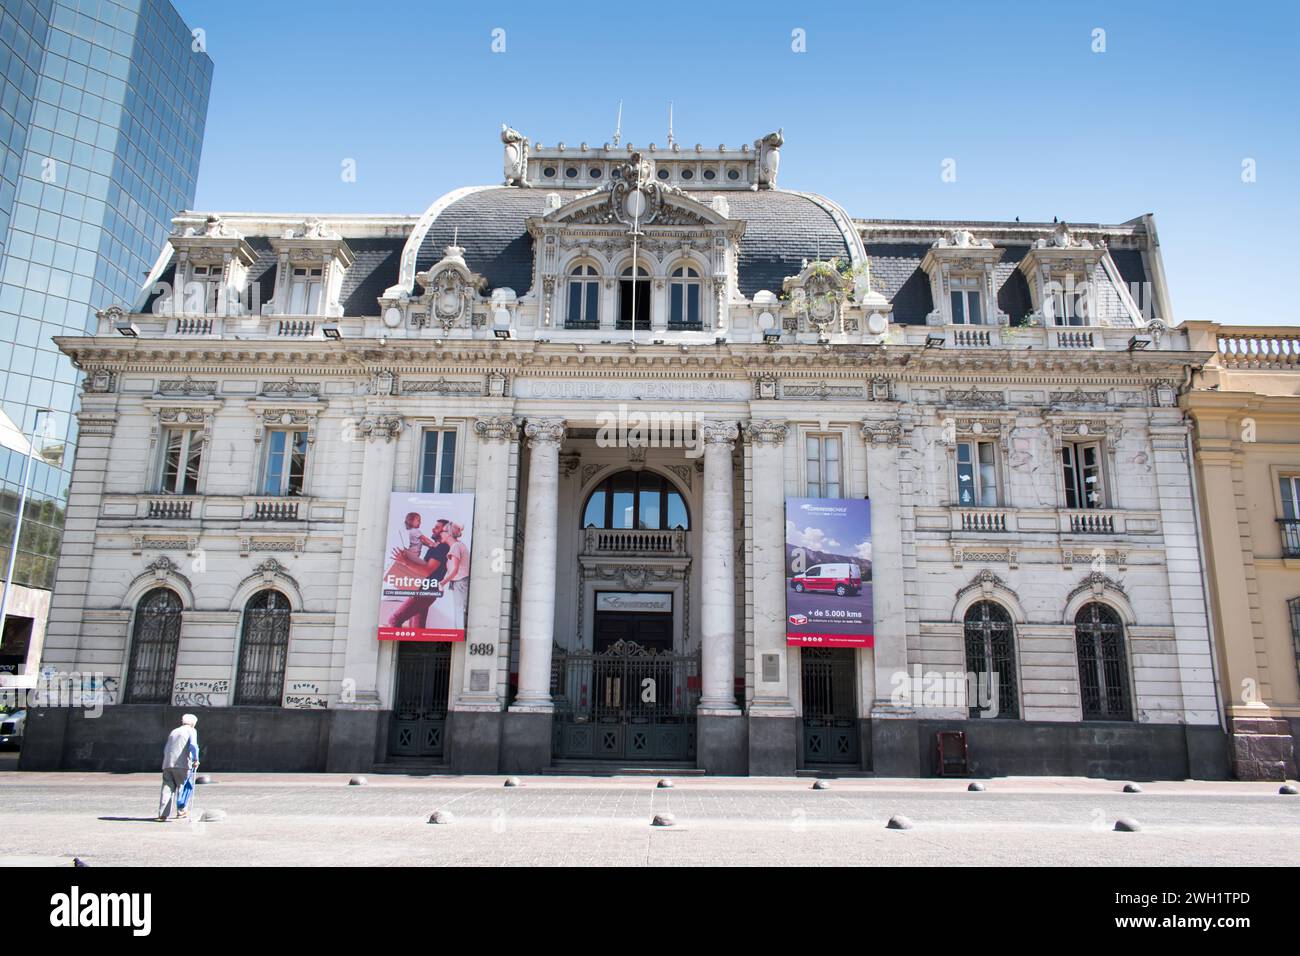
<point>102,110</point>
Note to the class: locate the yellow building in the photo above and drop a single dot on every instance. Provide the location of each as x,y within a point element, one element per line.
<point>1246,408</point>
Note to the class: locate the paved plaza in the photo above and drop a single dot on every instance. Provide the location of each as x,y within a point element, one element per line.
<point>318,819</point>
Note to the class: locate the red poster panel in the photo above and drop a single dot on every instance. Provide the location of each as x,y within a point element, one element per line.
<point>425,590</point>
<point>828,599</point>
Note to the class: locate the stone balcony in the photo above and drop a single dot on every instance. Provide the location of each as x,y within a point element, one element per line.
<point>192,510</point>
<point>966,522</point>
<point>616,542</point>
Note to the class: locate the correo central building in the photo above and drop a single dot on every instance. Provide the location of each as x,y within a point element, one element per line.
<point>645,368</point>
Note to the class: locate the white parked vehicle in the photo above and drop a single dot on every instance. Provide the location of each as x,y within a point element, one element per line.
<point>11,728</point>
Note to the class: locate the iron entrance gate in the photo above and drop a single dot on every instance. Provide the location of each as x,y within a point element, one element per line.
<point>420,704</point>
<point>625,703</point>
<point>830,713</point>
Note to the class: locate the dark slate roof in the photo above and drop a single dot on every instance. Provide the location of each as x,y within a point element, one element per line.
<point>262,272</point>
<point>782,229</point>
<point>375,268</point>
<point>896,273</point>
<point>166,279</point>
<point>489,225</point>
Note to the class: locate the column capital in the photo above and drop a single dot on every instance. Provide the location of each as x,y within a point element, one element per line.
<point>502,428</point>
<point>544,431</point>
<point>714,432</point>
<point>376,427</point>
<point>766,431</point>
<point>883,432</point>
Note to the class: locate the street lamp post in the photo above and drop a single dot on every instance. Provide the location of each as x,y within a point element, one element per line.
<point>18,517</point>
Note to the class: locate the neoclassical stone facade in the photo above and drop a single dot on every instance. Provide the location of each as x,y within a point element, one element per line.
<point>632,359</point>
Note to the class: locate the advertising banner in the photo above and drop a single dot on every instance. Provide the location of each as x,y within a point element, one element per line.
<point>828,572</point>
<point>427,560</point>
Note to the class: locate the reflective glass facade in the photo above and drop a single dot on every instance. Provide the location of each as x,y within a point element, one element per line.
<point>102,109</point>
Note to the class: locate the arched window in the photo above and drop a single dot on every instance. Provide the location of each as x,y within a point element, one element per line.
<point>263,648</point>
<point>636,499</point>
<point>1103,665</point>
<point>990,651</point>
<point>634,297</point>
<point>154,640</point>
<point>684,297</point>
<point>584,298</point>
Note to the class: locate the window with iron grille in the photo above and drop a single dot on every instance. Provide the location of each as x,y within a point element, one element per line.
<point>263,650</point>
<point>438,461</point>
<point>1289,485</point>
<point>990,655</point>
<point>1293,606</point>
<point>155,638</point>
<point>1103,664</point>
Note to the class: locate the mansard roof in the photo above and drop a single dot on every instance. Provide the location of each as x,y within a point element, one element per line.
<point>782,230</point>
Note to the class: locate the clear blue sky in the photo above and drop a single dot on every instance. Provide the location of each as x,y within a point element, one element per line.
<point>1038,123</point>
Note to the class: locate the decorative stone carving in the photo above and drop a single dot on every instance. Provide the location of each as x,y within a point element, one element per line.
<point>769,158</point>
<point>543,431</point>
<point>499,428</point>
<point>441,386</point>
<point>720,433</point>
<point>882,432</point>
<point>1078,397</point>
<point>987,582</point>
<point>515,158</point>
<point>766,432</point>
<point>765,386</point>
<point>1098,584</point>
<point>497,384</point>
<point>291,388</point>
<point>100,381</point>
<point>880,389</point>
<point>187,386</point>
<point>287,417</point>
<point>383,383</point>
<point>387,427</point>
<point>973,396</point>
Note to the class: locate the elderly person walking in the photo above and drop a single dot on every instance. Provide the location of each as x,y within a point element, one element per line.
<point>180,758</point>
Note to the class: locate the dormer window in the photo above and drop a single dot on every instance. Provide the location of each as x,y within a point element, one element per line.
<point>684,297</point>
<point>584,298</point>
<point>1066,305</point>
<point>203,291</point>
<point>305,291</point>
<point>965,300</point>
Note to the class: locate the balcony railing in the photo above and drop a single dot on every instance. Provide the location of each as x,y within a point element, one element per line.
<point>170,508</point>
<point>274,509</point>
<point>599,541</point>
<point>1089,522</point>
<point>982,520</point>
<point>1290,537</point>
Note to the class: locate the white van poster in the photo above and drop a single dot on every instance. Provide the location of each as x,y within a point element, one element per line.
<point>427,560</point>
<point>828,572</point>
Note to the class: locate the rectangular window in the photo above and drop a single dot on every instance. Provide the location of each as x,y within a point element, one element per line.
<point>1081,468</point>
<point>977,474</point>
<point>824,471</point>
<point>202,294</point>
<point>286,462</point>
<point>304,291</point>
<point>1067,307</point>
<point>966,308</point>
<point>438,462</point>
<point>182,455</point>
<point>1290,486</point>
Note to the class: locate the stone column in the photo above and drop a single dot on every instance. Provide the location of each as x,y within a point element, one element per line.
<point>894,746</point>
<point>353,725</point>
<point>773,750</point>
<point>721,745</point>
<point>474,718</point>
<point>527,744</point>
